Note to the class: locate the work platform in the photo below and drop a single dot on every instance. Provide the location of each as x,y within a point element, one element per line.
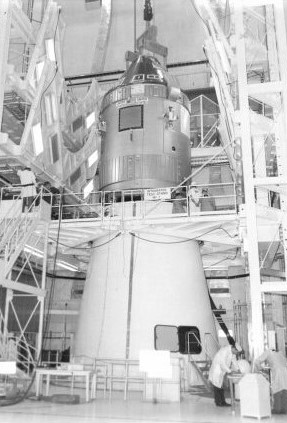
<point>213,220</point>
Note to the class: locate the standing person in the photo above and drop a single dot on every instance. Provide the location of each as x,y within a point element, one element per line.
<point>102,125</point>
<point>207,202</point>
<point>278,365</point>
<point>222,363</point>
<point>170,117</point>
<point>28,184</point>
<point>194,198</point>
<point>179,203</point>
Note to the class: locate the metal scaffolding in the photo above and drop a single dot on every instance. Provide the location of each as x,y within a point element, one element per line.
<point>247,51</point>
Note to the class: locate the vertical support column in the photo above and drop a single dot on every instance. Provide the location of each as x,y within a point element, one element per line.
<point>281,147</point>
<point>5,25</point>
<point>271,44</point>
<point>256,322</point>
<point>260,166</point>
<point>42,299</point>
<point>201,123</point>
<point>9,298</point>
<point>99,55</point>
<point>278,321</point>
<point>135,26</point>
<point>280,139</point>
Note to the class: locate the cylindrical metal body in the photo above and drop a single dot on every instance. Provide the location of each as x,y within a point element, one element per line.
<point>142,147</point>
<point>132,286</point>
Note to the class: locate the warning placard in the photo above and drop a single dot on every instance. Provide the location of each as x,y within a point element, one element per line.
<point>157,194</point>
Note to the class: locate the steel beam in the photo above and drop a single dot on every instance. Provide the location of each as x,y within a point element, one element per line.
<point>256,322</point>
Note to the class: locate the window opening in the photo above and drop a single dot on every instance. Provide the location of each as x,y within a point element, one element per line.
<point>189,340</point>
<point>130,118</point>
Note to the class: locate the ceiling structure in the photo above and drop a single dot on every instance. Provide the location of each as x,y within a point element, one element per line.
<point>177,22</point>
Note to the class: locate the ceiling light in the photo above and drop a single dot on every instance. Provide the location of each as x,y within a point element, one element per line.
<point>90,119</point>
<point>67,266</point>
<point>48,109</point>
<point>93,158</point>
<point>88,188</point>
<point>61,263</point>
<point>50,49</point>
<point>54,107</point>
<point>39,70</point>
<point>37,139</point>
<point>34,251</point>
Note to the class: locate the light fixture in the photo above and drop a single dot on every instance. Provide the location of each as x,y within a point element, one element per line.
<point>67,266</point>
<point>32,250</point>
<point>93,158</point>
<point>48,109</point>
<point>90,119</point>
<point>50,49</point>
<point>39,70</point>
<point>54,107</point>
<point>37,139</point>
<point>88,188</point>
<point>61,263</point>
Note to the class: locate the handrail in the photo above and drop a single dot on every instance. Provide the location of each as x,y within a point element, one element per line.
<point>209,335</point>
<point>208,135</point>
<point>193,362</point>
<point>15,348</point>
<point>14,221</point>
<point>24,353</point>
<point>208,357</point>
<point>103,205</point>
<point>8,220</point>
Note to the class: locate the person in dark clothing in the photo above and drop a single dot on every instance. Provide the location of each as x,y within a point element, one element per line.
<point>207,202</point>
<point>28,184</point>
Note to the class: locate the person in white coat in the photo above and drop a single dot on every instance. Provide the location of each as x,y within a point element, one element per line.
<point>278,366</point>
<point>28,184</point>
<point>223,362</point>
<point>194,195</point>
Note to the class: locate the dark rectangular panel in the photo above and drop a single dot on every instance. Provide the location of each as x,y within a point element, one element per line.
<point>75,176</point>
<point>55,148</point>
<point>131,118</point>
<point>77,123</point>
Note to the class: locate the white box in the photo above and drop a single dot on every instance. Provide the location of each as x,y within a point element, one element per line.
<point>254,396</point>
<point>7,367</point>
<point>75,367</point>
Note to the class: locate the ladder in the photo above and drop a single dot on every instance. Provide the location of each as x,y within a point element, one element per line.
<point>201,367</point>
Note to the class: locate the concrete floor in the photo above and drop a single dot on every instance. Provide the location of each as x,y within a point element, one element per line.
<point>192,409</point>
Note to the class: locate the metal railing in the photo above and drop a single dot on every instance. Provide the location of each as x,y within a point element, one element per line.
<point>192,338</point>
<point>3,336</point>
<point>13,222</point>
<point>211,344</point>
<point>126,375</point>
<point>141,203</point>
<point>17,349</point>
